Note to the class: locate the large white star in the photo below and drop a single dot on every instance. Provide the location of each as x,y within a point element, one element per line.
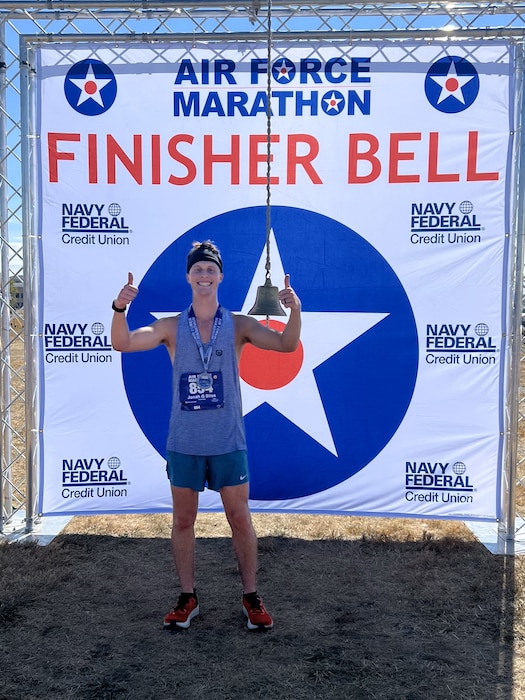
<point>90,87</point>
<point>451,84</point>
<point>323,334</point>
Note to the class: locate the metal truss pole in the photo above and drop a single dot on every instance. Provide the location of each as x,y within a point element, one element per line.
<point>5,364</point>
<point>507,529</point>
<point>31,286</point>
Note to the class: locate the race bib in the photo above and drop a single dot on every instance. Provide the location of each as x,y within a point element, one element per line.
<point>200,391</point>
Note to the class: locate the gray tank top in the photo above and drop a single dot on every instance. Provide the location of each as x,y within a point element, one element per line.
<point>214,431</point>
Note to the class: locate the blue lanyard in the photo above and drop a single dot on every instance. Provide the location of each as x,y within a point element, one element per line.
<point>217,323</point>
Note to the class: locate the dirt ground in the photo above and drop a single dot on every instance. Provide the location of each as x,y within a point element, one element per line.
<point>363,609</point>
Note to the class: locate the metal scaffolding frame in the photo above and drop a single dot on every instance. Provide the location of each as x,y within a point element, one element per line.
<point>23,21</point>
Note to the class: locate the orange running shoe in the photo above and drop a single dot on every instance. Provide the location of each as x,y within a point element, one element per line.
<point>257,616</point>
<point>185,610</point>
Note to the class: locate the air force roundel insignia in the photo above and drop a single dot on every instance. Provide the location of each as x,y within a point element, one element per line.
<point>451,84</point>
<point>317,416</point>
<point>90,87</point>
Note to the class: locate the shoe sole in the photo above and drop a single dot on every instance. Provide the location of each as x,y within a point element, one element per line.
<point>183,625</point>
<point>251,626</point>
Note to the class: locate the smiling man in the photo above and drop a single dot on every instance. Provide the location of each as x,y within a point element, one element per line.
<point>206,439</point>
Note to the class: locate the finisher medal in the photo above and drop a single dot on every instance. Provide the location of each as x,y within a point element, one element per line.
<point>205,380</point>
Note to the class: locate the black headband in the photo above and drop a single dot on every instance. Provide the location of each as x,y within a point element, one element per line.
<point>203,253</point>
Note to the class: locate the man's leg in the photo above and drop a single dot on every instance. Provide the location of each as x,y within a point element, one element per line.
<point>235,501</point>
<point>185,506</point>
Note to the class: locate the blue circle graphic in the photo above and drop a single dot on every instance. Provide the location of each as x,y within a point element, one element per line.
<point>333,102</point>
<point>365,387</point>
<point>90,87</point>
<point>451,84</point>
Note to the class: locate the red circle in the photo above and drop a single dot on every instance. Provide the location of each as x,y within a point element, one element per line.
<point>452,84</point>
<point>90,87</point>
<point>267,369</point>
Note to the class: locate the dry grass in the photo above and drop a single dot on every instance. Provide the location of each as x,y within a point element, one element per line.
<point>365,608</point>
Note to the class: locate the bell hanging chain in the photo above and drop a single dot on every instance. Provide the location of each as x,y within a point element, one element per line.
<point>268,133</point>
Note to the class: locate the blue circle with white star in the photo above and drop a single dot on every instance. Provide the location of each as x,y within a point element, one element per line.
<point>365,387</point>
<point>333,102</point>
<point>90,87</point>
<point>283,71</point>
<point>451,84</point>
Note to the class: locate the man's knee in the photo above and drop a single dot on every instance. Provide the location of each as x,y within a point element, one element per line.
<point>182,522</point>
<point>235,502</point>
<point>185,506</point>
<point>240,520</point>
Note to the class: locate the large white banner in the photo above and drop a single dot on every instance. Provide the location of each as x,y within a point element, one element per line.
<point>390,209</point>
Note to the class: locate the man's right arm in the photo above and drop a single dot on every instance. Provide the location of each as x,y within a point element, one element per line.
<point>146,338</point>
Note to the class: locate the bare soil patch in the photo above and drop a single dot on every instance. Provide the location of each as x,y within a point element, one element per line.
<point>363,608</point>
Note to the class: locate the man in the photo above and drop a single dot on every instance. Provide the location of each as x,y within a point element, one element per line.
<point>206,438</point>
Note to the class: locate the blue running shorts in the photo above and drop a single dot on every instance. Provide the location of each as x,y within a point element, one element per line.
<point>196,471</point>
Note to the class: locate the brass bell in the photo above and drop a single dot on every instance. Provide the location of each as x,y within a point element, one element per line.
<point>267,301</point>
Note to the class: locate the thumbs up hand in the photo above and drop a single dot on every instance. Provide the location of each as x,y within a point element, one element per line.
<point>127,293</point>
<point>288,297</point>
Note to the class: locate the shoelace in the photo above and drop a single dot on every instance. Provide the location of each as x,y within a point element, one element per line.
<point>184,599</point>
<point>254,602</point>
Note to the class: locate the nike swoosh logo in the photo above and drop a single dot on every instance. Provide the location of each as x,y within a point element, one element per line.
<point>242,478</point>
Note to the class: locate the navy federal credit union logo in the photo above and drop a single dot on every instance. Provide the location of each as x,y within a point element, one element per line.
<point>319,415</point>
<point>451,84</point>
<point>90,87</point>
